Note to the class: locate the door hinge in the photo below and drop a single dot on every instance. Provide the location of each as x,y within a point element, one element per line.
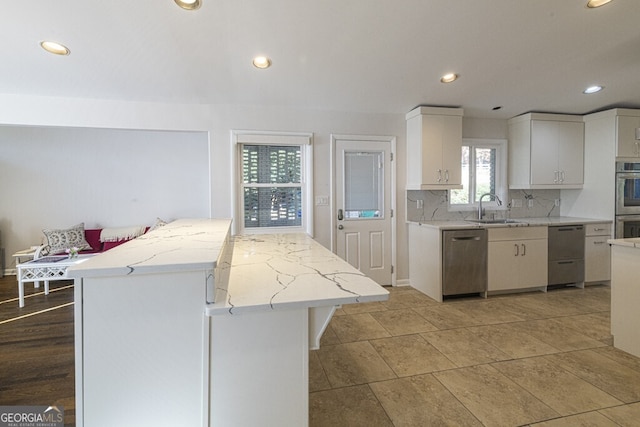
<point>392,269</point>
<point>391,158</point>
<point>391,213</point>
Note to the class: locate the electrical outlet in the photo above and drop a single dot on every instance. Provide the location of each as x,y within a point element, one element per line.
<point>516,203</point>
<point>556,202</point>
<point>419,204</point>
<point>530,203</point>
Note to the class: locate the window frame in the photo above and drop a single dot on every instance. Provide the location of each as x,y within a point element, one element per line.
<point>304,140</point>
<point>501,174</point>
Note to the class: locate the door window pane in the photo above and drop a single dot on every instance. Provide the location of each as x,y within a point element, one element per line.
<point>364,174</point>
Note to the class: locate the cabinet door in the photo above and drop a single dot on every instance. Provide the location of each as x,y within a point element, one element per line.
<point>533,268</point>
<point>503,261</point>
<point>597,260</point>
<point>434,132</point>
<point>627,143</point>
<point>571,152</point>
<point>452,150</point>
<point>544,152</point>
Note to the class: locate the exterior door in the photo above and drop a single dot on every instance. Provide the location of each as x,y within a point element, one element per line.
<point>363,203</point>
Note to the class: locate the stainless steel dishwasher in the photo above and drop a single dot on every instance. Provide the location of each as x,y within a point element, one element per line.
<point>464,259</point>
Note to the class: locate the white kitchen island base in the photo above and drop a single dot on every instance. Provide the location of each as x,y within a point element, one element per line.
<point>625,295</point>
<point>171,332</point>
<point>261,375</point>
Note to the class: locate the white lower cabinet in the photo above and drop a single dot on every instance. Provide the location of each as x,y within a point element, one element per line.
<point>597,253</point>
<point>517,258</point>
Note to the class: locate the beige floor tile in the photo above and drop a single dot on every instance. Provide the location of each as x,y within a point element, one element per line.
<point>353,363</point>
<point>411,298</point>
<point>614,378</point>
<point>352,406</point>
<point>512,340</point>
<point>562,391</point>
<point>488,312</point>
<point>357,327</point>
<point>589,419</point>
<point>464,348</point>
<point>555,300</point>
<point>620,356</point>
<point>594,325</point>
<point>422,401</point>
<point>592,298</point>
<point>493,398</point>
<point>556,333</point>
<point>317,378</point>
<point>403,322</point>
<point>445,316</point>
<point>365,307</point>
<point>329,337</point>
<point>411,355</point>
<point>532,306</point>
<point>627,415</point>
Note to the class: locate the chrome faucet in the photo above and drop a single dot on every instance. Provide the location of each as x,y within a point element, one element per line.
<point>481,210</point>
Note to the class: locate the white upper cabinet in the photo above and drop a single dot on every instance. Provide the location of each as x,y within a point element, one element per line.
<point>628,145</point>
<point>434,143</point>
<point>546,151</point>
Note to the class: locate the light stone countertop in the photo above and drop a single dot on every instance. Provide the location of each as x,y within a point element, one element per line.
<point>182,245</point>
<point>268,272</point>
<point>630,242</point>
<point>279,271</point>
<point>519,222</point>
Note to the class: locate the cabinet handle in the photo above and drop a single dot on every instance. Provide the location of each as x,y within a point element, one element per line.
<point>439,178</point>
<point>446,175</point>
<point>555,176</point>
<point>598,229</point>
<point>561,176</point>
<point>599,243</point>
<point>524,249</point>
<point>517,252</point>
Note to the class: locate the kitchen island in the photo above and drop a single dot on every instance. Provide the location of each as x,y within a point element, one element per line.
<point>189,326</point>
<point>625,294</point>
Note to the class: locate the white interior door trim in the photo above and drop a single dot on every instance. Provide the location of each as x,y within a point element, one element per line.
<point>332,202</point>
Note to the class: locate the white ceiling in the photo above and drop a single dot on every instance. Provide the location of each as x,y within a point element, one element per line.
<point>381,56</point>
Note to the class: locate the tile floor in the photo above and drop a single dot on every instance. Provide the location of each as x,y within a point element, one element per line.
<point>534,359</point>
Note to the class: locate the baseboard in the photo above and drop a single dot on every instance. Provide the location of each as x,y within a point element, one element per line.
<point>403,282</point>
<point>10,272</point>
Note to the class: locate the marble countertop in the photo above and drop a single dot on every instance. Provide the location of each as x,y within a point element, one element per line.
<point>630,242</point>
<point>276,271</point>
<point>520,222</point>
<point>182,245</point>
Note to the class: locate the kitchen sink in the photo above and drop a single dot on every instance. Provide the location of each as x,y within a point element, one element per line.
<point>493,221</point>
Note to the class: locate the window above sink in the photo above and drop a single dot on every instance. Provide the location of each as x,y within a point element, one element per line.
<point>484,170</point>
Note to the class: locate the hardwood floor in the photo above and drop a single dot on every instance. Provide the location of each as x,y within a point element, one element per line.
<point>36,346</point>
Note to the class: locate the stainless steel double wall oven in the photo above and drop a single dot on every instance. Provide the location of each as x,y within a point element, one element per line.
<point>627,199</point>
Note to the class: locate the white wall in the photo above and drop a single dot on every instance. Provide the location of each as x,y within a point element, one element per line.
<point>57,177</point>
<point>218,121</point>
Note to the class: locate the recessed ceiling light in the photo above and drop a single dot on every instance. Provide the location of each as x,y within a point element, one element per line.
<point>55,48</point>
<point>593,89</point>
<point>596,3</point>
<point>189,4</point>
<point>448,78</point>
<point>261,62</point>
